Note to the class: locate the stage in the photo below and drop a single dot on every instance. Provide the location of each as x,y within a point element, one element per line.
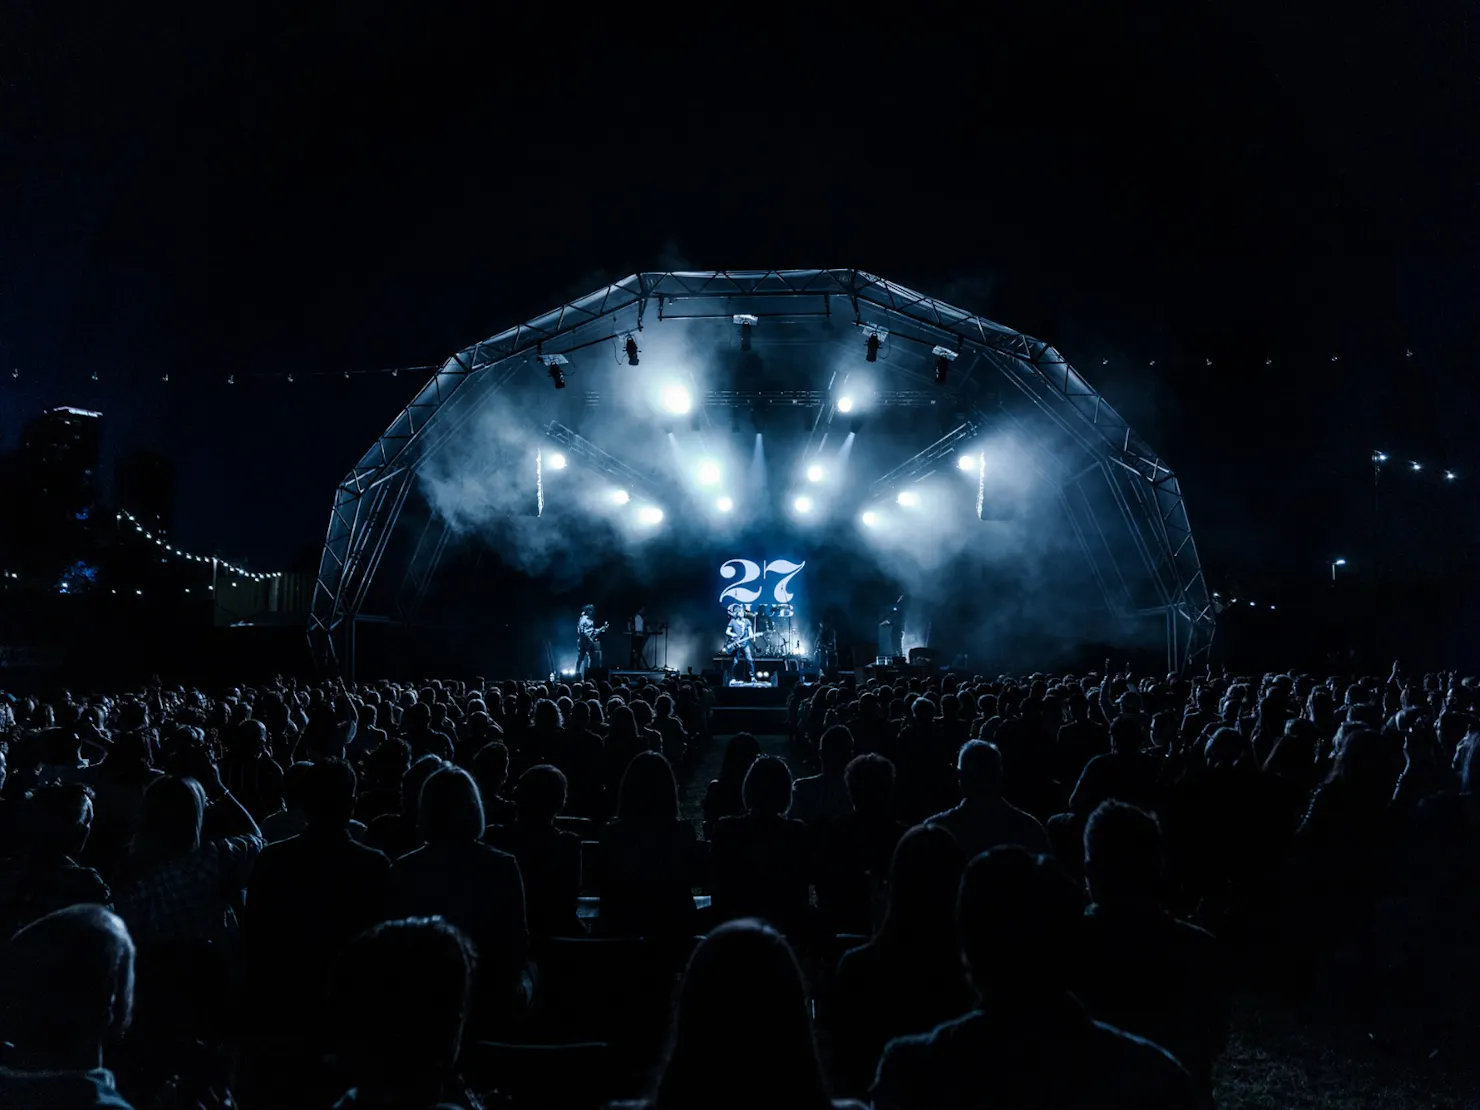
<point>814,441</point>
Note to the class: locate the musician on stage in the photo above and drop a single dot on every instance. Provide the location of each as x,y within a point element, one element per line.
<point>738,635</point>
<point>639,639</point>
<point>588,644</point>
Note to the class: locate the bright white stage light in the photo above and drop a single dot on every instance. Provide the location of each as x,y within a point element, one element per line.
<point>870,519</point>
<point>845,404</point>
<point>815,472</point>
<point>802,504</point>
<point>556,460</point>
<point>709,473</point>
<point>621,496</point>
<point>676,399</point>
<point>724,504</point>
<point>969,462</point>
<point>650,514</point>
<point>908,497</point>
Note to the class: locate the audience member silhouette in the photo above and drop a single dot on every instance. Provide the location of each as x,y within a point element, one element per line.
<point>649,857</point>
<point>549,858</point>
<point>1142,970</point>
<point>818,799</point>
<point>308,895</point>
<point>181,887</point>
<point>909,978</point>
<point>45,875</point>
<point>66,995</point>
<point>1030,1042</point>
<point>760,863</point>
<point>742,1032</point>
<point>724,797</point>
<point>983,819</point>
<point>396,834</point>
<point>401,999</point>
<point>475,887</point>
<point>856,850</point>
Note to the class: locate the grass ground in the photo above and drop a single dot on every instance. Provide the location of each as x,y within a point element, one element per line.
<point>1276,1062</point>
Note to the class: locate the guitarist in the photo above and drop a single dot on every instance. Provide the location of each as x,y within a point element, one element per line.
<point>588,641</point>
<point>738,634</point>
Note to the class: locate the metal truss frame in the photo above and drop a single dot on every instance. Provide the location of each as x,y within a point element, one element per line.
<point>990,357</point>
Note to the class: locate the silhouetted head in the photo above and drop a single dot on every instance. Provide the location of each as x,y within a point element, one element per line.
<point>924,881</point>
<point>170,820</point>
<point>540,794</point>
<point>1017,917</point>
<point>1123,860</point>
<point>767,786</point>
<point>648,790</point>
<point>742,1031</point>
<point>400,995</point>
<point>67,987</point>
<point>412,782</point>
<point>1127,734</point>
<point>870,782</point>
<point>979,768</point>
<point>740,752</point>
<point>451,809</point>
<point>58,818</point>
<point>836,749</point>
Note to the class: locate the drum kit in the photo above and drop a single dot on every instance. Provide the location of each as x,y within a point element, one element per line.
<point>772,624</point>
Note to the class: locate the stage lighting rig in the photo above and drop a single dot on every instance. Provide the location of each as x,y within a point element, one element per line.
<point>631,348</point>
<point>873,337</point>
<point>944,356</point>
<point>553,364</point>
<point>746,322</point>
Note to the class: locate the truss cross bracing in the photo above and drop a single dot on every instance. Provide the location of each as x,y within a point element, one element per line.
<point>1124,503</point>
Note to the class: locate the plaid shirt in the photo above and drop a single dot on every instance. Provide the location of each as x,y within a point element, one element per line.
<point>190,898</point>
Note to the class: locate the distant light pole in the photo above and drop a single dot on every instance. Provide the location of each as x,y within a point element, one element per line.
<point>1334,564</point>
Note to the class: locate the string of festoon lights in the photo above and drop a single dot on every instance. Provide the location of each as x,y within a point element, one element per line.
<point>289,377</point>
<point>179,553</point>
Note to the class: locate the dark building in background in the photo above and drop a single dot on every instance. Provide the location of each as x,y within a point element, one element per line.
<point>53,496</point>
<point>144,485</point>
<point>59,455</point>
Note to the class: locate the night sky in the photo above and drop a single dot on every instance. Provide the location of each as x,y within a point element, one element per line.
<point>258,189</point>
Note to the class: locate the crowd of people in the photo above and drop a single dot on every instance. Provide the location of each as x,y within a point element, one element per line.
<point>934,891</point>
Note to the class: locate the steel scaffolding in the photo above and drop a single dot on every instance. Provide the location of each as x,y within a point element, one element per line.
<point>1123,502</point>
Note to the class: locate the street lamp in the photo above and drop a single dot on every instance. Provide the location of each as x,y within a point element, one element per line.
<point>1334,564</point>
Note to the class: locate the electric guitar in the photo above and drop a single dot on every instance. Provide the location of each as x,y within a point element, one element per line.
<point>595,634</point>
<point>732,643</point>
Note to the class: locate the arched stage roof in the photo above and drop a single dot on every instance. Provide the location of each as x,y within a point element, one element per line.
<point>1124,504</point>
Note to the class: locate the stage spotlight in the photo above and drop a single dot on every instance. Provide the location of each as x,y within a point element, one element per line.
<point>969,462</point>
<point>815,473</point>
<point>676,399</point>
<point>553,367</point>
<point>631,351</point>
<point>621,496</point>
<point>650,514</point>
<point>908,497</point>
<point>709,473</point>
<point>845,404</point>
<point>944,356</point>
<point>870,519</point>
<point>724,504</point>
<point>746,322</point>
<point>802,504</point>
<point>557,460</point>
<point>871,348</point>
